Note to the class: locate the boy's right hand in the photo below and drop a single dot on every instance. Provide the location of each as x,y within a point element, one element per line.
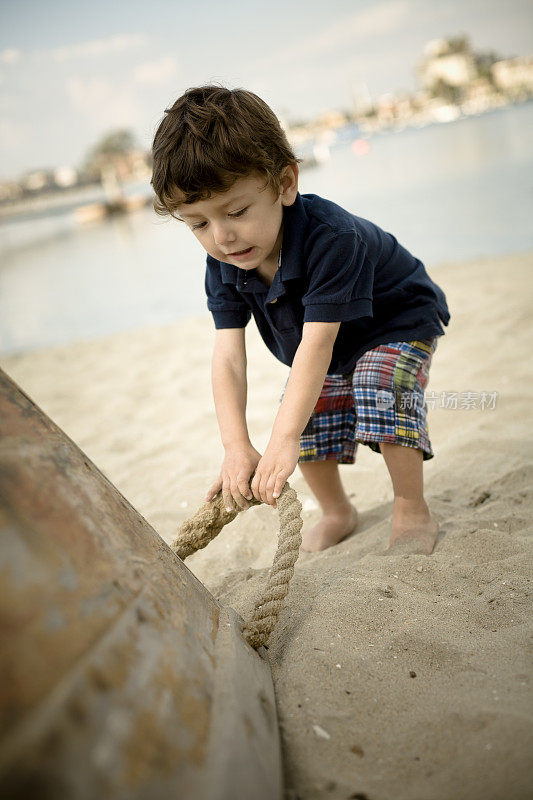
<point>237,468</point>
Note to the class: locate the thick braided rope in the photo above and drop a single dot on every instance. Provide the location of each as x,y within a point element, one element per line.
<point>200,529</point>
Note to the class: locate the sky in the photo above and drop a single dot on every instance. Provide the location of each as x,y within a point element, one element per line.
<point>71,72</point>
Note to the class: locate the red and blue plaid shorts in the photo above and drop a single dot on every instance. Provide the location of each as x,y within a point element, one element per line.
<point>381,400</point>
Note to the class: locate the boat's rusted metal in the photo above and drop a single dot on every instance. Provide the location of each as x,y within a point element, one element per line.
<point>120,675</point>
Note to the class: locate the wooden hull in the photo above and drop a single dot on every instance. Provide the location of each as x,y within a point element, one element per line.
<point>121,676</point>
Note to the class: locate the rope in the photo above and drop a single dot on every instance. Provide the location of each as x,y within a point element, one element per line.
<point>196,532</point>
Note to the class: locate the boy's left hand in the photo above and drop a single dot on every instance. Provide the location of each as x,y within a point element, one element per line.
<point>277,464</point>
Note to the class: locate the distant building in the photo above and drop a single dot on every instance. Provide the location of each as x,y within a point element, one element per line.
<point>385,107</point>
<point>10,191</point>
<point>447,61</point>
<point>514,75</point>
<point>332,119</point>
<point>37,180</point>
<point>323,127</point>
<point>65,177</point>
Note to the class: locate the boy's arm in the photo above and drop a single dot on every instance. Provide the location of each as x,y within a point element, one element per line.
<point>228,378</point>
<point>308,371</point>
<point>229,385</point>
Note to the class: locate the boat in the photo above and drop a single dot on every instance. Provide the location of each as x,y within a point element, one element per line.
<point>121,675</point>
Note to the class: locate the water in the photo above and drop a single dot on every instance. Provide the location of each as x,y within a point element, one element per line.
<point>448,192</point>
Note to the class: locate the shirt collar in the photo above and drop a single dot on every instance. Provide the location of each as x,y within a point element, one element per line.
<point>294,233</point>
<point>292,259</point>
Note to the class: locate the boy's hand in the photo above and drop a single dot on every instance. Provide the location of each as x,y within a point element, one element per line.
<point>234,479</point>
<point>277,464</point>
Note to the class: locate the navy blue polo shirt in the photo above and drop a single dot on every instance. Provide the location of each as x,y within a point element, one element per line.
<point>335,267</point>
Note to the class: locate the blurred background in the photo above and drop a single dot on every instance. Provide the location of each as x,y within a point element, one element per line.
<point>414,114</point>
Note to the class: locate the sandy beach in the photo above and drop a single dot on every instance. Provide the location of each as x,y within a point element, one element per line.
<point>399,677</point>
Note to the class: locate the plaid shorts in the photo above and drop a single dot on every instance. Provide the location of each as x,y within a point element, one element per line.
<point>381,400</point>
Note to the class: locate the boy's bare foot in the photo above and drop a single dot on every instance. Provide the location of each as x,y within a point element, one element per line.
<point>330,530</point>
<point>413,532</point>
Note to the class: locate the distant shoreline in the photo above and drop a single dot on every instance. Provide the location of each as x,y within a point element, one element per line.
<point>70,199</point>
<point>205,317</point>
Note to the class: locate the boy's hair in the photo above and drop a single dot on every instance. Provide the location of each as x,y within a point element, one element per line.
<point>208,139</point>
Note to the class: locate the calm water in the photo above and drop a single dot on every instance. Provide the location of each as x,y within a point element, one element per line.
<point>447,192</point>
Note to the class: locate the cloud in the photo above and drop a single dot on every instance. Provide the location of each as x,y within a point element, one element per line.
<point>14,135</point>
<point>157,73</point>
<point>379,19</point>
<point>376,20</point>
<point>99,47</point>
<point>10,55</point>
<point>102,102</point>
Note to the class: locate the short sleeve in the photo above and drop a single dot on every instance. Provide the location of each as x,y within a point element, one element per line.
<point>224,302</point>
<point>340,278</point>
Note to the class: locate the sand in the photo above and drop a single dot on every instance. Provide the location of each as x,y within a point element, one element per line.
<point>397,677</point>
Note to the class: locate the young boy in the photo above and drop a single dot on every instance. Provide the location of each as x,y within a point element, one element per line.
<point>334,297</point>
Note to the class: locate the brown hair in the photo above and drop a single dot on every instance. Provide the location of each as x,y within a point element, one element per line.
<point>208,139</point>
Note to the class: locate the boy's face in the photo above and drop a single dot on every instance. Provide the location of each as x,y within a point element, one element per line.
<point>242,226</point>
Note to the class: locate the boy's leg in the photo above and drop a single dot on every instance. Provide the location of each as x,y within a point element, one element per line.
<point>389,383</point>
<point>339,516</point>
<point>414,529</point>
<point>329,439</point>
